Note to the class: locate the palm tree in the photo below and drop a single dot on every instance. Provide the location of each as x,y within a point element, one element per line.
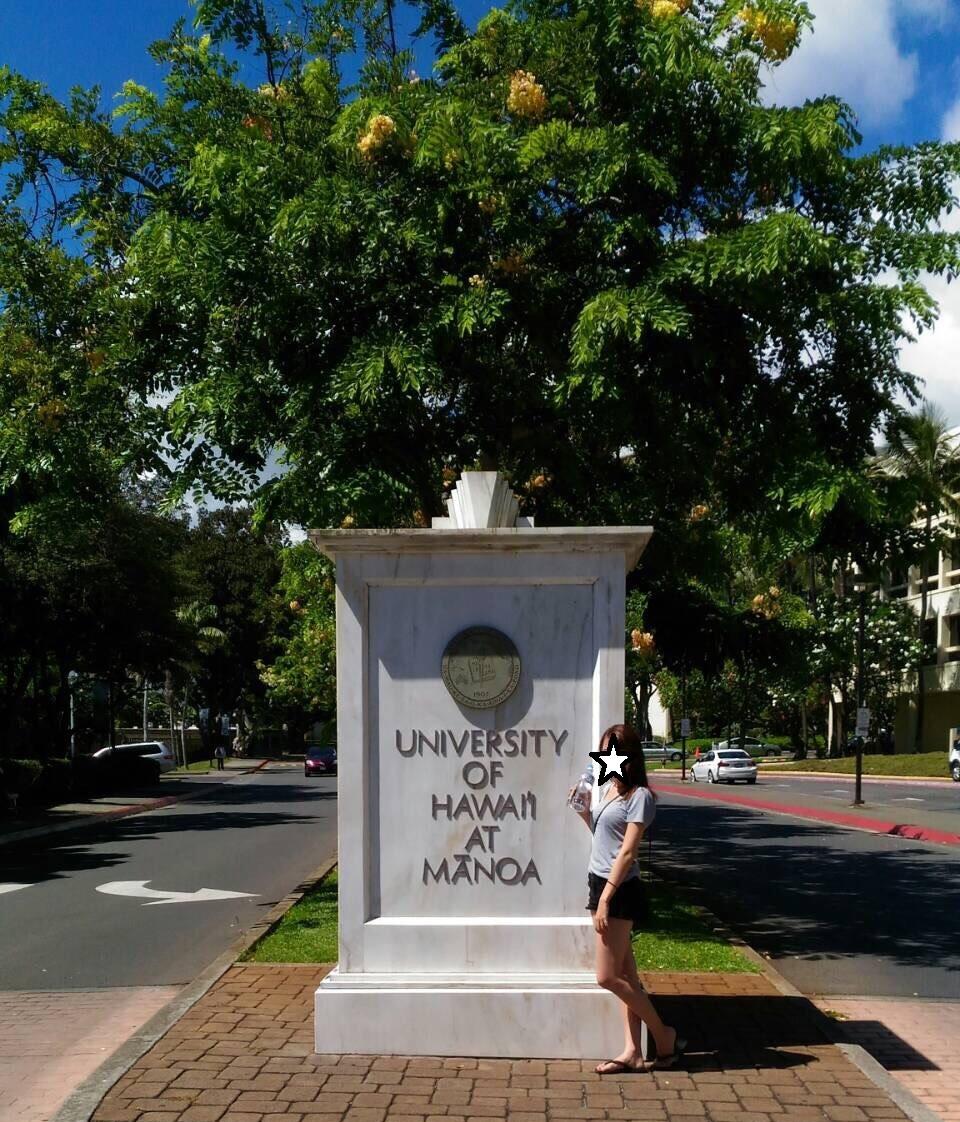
<point>923,451</point>
<point>202,638</point>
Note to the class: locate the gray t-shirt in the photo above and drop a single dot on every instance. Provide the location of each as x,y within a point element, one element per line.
<point>610,820</point>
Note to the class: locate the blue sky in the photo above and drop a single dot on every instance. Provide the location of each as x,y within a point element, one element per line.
<point>896,61</point>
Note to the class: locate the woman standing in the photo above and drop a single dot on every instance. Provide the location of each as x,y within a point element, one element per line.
<point>617,900</point>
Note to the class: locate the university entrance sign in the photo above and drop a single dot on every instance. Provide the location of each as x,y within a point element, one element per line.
<point>477,664</point>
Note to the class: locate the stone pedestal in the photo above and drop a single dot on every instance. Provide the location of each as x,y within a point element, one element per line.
<point>462,871</point>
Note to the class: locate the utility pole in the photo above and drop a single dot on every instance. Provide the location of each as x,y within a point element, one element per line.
<point>71,685</point>
<point>863,717</point>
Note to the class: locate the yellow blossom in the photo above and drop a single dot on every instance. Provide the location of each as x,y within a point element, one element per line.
<point>476,281</point>
<point>665,9</point>
<point>277,93</point>
<point>379,130</point>
<point>526,97</point>
<point>348,522</point>
<point>451,158</point>
<point>699,512</point>
<point>778,37</point>
<point>642,642</point>
<point>512,264</point>
<point>50,413</point>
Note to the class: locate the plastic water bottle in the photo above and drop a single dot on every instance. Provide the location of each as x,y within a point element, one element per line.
<point>580,798</point>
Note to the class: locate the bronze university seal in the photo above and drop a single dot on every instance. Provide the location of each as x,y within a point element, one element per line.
<point>481,667</point>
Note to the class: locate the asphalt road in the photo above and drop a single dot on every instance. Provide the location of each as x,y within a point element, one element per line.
<point>837,911</point>
<point>877,793</point>
<point>260,834</point>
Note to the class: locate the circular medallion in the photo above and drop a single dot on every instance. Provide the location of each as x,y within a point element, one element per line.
<point>481,667</point>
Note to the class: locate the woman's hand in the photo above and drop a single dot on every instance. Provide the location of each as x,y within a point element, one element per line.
<point>601,917</point>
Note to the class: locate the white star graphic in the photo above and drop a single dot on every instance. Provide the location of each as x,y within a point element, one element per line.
<point>610,761</point>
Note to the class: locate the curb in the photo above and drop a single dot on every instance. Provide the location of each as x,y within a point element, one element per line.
<point>81,1104</point>
<point>113,815</point>
<point>833,1030</point>
<point>935,780</point>
<point>905,830</point>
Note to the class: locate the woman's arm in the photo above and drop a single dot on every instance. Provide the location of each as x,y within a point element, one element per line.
<point>621,867</point>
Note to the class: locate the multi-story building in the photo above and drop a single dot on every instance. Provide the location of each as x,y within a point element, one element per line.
<point>941,629</point>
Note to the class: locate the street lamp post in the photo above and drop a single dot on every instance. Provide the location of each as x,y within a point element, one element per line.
<point>71,683</point>
<point>861,590</point>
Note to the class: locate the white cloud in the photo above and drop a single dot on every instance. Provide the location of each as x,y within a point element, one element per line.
<point>950,127</point>
<point>935,355</point>
<point>853,52</point>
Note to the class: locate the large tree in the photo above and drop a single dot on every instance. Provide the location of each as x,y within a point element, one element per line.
<point>584,232</point>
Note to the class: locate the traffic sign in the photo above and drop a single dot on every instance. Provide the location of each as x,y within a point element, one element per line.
<point>863,721</point>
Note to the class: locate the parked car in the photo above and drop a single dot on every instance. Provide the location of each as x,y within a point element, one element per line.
<point>752,745</point>
<point>953,759</point>
<point>654,751</point>
<point>320,761</point>
<point>150,752</point>
<point>725,765</point>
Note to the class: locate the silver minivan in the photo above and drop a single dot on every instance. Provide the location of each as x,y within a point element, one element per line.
<point>153,750</point>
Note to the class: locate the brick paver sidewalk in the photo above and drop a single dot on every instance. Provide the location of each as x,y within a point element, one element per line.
<point>918,1042</point>
<point>50,1042</point>
<point>244,1053</point>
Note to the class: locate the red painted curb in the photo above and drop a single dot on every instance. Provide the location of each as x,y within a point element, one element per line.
<point>832,817</point>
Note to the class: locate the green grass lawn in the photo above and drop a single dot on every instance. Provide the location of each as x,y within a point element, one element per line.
<point>308,931</point>
<point>196,766</point>
<point>678,939</point>
<point>905,763</point>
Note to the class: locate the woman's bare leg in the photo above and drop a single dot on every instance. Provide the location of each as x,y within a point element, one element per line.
<point>611,947</point>
<point>632,1024</point>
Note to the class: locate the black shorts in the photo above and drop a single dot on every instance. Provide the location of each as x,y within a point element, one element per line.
<point>629,900</point>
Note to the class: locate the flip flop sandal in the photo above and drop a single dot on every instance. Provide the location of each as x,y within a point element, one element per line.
<point>679,1047</point>
<point>619,1067</point>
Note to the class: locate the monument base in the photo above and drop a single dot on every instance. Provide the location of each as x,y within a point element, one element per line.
<point>507,1016</point>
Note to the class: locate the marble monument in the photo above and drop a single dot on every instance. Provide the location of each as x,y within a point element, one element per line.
<point>478,661</point>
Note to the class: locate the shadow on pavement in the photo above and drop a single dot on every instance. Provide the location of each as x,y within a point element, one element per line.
<point>887,1048</point>
<point>727,1033</point>
<point>108,845</point>
<point>813,892</point>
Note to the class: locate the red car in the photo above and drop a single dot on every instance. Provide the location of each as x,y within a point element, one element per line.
<point>320,761</point>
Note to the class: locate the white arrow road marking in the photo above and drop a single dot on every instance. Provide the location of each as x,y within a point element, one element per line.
<point>138,888</point>
<point>13,887</point>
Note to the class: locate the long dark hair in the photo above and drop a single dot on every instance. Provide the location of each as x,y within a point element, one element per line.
<point>634,768</point>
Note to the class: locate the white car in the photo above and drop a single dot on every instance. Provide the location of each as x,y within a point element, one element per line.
<point>153,750</point>
<point>725,765</point>
<point>953,759</point>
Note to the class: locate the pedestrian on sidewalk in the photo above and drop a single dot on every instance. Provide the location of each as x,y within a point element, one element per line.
<point>220,752</point>
<point>617,899</point>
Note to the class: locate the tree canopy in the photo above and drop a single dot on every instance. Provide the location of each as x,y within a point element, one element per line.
<point>583,249</point>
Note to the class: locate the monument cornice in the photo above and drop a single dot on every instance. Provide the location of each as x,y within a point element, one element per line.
<point>629,540</point>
